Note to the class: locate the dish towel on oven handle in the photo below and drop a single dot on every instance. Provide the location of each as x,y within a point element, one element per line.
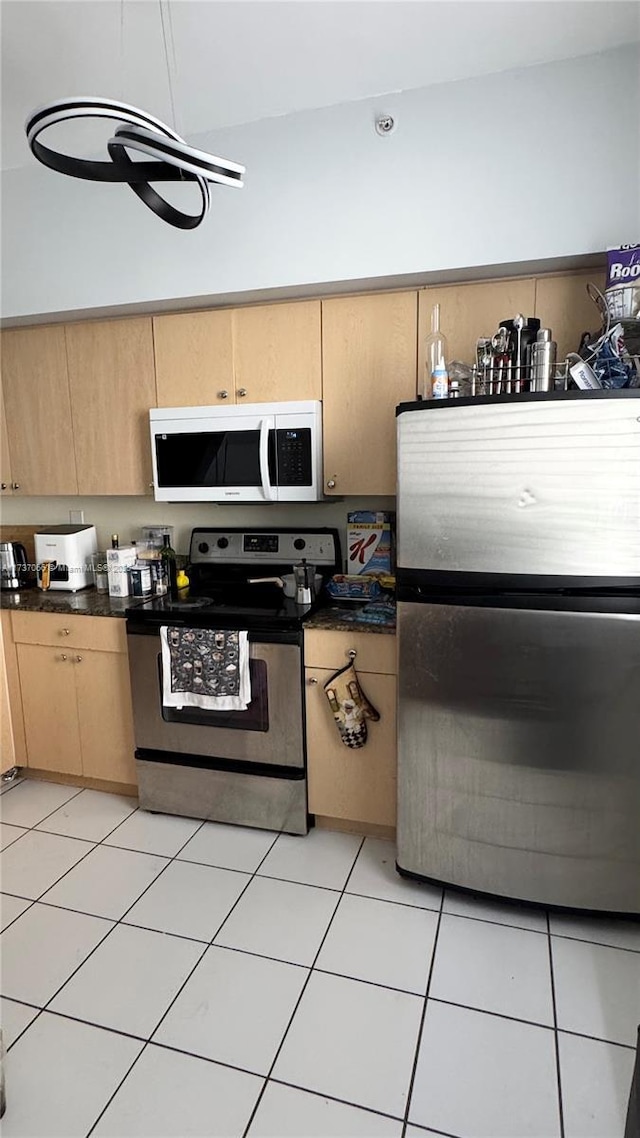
<point>350,706</point>
<point>206,668</point>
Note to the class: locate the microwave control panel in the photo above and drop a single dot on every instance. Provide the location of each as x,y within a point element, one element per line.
<point>293,448</point>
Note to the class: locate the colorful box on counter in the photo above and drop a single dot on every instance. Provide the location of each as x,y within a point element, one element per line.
<point>370,542</point>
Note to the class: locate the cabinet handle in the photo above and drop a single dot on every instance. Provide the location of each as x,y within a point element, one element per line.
<point>151,485</point>
<point>312,680</point>
<point>15,485</point>
<point>241,392</point>
<point>331,482</point>
<point>3,486</point>
<point>64,632</point>
<point>63,656</point>
<point>352,653</point>
<point>79,659</point>
<point>223,395</point>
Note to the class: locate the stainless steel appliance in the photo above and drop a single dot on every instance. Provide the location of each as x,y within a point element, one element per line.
<point>260,452</point>
<point>64,557</point>
<point>519,646</point>
<point>13,565</point>
<point>247,767</point>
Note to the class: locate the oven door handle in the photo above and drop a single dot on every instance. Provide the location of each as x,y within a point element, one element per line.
<point>268,490</point>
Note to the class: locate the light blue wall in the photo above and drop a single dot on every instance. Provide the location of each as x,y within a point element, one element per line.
<point>524,165</point>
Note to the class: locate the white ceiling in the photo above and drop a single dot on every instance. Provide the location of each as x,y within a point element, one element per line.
<point>243,60</point>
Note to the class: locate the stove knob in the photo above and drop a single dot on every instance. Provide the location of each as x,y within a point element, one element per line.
<point>223,542</point>
<point>299,543</point>
<point>203,547</point>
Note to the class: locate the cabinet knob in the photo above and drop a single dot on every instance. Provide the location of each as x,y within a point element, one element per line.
<point>3,486</point>
<point>151,485</point>
<point>352,653</point>
<point>15,485</point>
<point>331,482</point>
<point>79,659</point>
<point>223,395</point>
<point>64,632</point>
<point>63,656</point>
<point>241,392</point>
<point>312,680</point>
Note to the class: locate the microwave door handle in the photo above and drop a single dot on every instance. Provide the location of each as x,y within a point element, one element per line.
<point>268,490</point>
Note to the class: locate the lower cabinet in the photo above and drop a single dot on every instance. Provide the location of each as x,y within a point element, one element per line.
<point>76,700</point>
<point>352,785</point>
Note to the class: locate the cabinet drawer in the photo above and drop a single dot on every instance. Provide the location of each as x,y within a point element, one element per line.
<point>107,634</point>
<point>375,651</point>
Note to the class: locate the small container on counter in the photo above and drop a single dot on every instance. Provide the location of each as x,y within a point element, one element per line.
<point>99,569</point>
<point>140,578</point>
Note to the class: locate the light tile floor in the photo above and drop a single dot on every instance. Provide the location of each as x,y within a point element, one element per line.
<point>166,978</point>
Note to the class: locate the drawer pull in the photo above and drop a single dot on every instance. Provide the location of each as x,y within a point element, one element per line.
<point>79,659</point>
<point>15,485</point>
<point>331,483</point>
<point>63,656</point>
<point>242,391</point>
<point>65,632</point>
<point>223,395</point>
<point>312,680</point>
<point>3,486</point>
<point>352,653</point>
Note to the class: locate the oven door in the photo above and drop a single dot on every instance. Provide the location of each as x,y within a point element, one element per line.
<point>246,767</point>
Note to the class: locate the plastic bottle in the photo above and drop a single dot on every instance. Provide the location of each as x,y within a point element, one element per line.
<point>440,381</point>
<point>435,358</point>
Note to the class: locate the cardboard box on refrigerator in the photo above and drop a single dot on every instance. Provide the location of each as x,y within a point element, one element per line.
<point>370,542</point>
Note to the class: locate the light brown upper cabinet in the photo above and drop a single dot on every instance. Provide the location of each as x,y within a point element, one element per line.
<point>472,310</point>
<point>35,382</point>
<point>6,486</point>
<point>194,359</point>
<point>369,366</point>
<point>563,304</point>
<point>112,380</point>
<point>276,352</point>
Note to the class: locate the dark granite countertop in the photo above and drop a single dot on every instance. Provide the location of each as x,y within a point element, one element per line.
<point>343,618</point>
<point>86,602</point>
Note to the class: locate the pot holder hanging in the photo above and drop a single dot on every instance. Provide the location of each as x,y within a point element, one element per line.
<point>350,706</point>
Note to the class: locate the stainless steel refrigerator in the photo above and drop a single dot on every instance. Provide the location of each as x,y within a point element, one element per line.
<point>518,572</point>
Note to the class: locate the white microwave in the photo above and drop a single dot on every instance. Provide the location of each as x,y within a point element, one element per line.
<point>259,452</point>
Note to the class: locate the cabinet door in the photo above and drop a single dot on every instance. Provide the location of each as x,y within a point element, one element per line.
<point>356,785</point>
<point>36,398</point>
<point>562,304</point>
<point>194,359</point>
<point>276,349</point>
<point>112,379</point>
<point>472,310</point>
<point>5,458</point>
<point>50,709</point>
<point>105,717</point>
<point>369,365</point>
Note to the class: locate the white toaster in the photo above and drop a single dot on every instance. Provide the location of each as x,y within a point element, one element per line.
<point>63,556</point>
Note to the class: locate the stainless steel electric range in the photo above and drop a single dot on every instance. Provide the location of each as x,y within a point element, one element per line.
<point>246,767</point>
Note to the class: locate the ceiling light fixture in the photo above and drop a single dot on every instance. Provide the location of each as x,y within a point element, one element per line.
<point>174,160</point>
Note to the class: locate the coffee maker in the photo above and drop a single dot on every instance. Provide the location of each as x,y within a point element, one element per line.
<point>13,565</point>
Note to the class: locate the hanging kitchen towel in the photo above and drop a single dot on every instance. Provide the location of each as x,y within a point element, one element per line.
<point>350,706</point>
<point>206,668</point>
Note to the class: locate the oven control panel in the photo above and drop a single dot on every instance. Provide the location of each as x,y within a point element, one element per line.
<point>246,547</point>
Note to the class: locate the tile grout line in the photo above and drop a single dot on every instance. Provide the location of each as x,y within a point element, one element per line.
<point>556,1041</point>
<point>302,992</point>
<point>423,1017</point>
<point>206,947</point>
